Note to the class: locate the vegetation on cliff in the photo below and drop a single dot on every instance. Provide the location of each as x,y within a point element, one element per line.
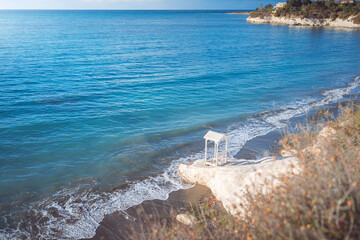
<point>312,9</point>
<point>322,202</point>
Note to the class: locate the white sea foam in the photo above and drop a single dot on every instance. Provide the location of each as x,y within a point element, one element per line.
<point>72,214</point>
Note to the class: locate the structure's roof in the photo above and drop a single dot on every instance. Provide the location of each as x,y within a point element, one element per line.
<point>214,136</point>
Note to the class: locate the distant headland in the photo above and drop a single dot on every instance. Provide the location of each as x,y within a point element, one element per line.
<point>310,13</point>
<point>239,13</point>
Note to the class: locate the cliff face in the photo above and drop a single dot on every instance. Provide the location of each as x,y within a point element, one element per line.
<point>348,23</point>
<point>230,182</point>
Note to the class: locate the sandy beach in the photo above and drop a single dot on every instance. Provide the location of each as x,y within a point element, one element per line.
<point>118,224</point>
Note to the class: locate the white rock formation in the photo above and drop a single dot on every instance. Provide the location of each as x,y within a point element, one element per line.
<point>186,219</point>
<point>230,182</point>
<point>343,23</point>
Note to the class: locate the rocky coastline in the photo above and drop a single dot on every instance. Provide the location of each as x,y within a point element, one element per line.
<point>230,183</point>
<point>238,13</point>
<point>298,21</point>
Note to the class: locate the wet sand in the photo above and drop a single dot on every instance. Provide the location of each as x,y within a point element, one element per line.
<point>119,224</point>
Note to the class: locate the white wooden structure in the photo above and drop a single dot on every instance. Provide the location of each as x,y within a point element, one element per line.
<point>217,138</point>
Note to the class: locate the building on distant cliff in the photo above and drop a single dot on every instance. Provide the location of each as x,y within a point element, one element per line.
<point>344,1</point>
<point>280,5</point>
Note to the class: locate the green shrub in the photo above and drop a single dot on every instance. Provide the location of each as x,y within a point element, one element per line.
<point>333,16</point>
<point>254,14</point>
<point>357,19</point>
<point>316,9</point>
<point>261,13</point>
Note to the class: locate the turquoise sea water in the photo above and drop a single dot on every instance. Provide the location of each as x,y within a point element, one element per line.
<point>97,108</point>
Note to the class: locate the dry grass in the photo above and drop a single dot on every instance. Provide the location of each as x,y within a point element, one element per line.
<point>323,202</point>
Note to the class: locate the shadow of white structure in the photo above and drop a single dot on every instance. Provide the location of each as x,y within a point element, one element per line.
<point>219,158</point>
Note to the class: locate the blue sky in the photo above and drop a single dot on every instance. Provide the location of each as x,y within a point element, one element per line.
<point>132,4</point>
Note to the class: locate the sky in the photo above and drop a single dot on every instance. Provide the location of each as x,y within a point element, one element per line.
<point>134,4</point>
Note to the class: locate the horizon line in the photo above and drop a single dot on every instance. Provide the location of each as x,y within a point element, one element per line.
<point>107,9</point>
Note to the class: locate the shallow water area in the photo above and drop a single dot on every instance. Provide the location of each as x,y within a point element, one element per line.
<point>98,108</point>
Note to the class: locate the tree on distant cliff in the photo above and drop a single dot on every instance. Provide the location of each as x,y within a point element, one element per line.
<point>294,3</point>
<point>319,9</point>
<point>331,4</point>
<point>268,8</point>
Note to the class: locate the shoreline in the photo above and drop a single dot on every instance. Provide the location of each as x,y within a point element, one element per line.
<point>258,145</point>
<point>254,148</point>
<point>284,199</point>
<point>306,22</point>
<point>116,225</point>
<point>239,13</point>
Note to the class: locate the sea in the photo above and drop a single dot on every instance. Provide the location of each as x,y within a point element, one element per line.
<point>98,108</point>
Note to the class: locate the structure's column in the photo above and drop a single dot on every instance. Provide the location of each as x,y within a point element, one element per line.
<point>216,152</point>
<point>205,150</point>
<point>226,149</point>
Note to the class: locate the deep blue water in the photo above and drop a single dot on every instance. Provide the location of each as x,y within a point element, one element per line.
<point>99,107</point>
